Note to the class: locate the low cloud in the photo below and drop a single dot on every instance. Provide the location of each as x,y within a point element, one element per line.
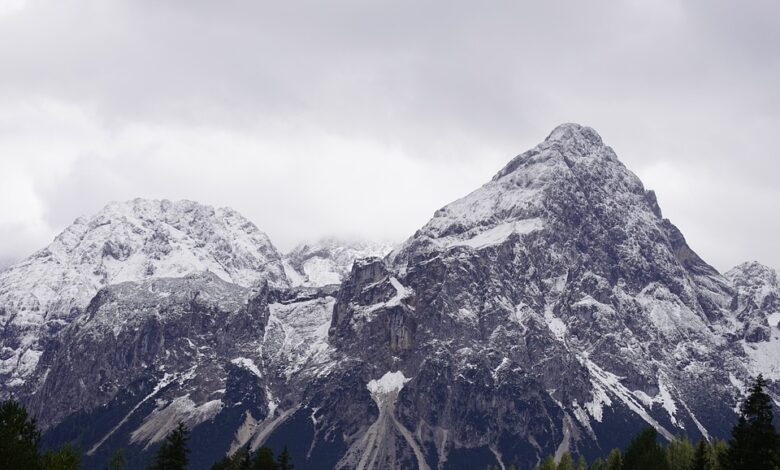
<point>355,118</point>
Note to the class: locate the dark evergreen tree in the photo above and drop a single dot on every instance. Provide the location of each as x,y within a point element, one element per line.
<point>719,450</point>
<point>755,442</point>
<point>582,464</point>
<point>614,460</point>
<point>703,457</point>
<point>644,453</point>
<point>264,460</point>
<point>566,462</point>
<point>598,464</point>
<point>19,437</point>
<point>67,457</point>
<point>284,462</point>
<point>117,461</point>
<point>679,454</point>
<point>172,453</point>
<point>238,460</point>
<point>548,464</point>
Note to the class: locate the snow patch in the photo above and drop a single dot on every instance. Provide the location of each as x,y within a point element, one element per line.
<point>390,382</point>
<point>763,356</point>
<point>248,364</point>
<point>612,383</point>
<point>498,234</point>
<point>555,324</point>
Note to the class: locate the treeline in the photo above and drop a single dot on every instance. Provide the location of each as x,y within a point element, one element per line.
<point>20,441</point>
<point>754,445</point>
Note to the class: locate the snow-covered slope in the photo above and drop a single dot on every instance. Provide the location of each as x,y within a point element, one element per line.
<point>758,303</point>
<point>127,241</point>
<point>328,260</point>
<point>759,285</point>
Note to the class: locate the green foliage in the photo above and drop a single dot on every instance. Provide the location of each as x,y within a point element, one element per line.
<point>284,461</point>
<point>117,461</point>
<point>19,437</point>
<point>598,464</point>
<point>703,457</point>
<point>614,460</point>
<point>719,450</point>
<point>645,452</point>
<point>548,464</point>
<point>172,453</point>
<point>566,463</point>
<point>238,460</point>
<point>264,460</point>
<point>755,442</point>
<point>582,464</point>
<point>67,457</point>
<point>679,454</point>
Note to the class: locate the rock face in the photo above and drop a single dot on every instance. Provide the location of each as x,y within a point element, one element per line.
<point>328,261</point>
<point>758,290</point>
<point>552,309</point>
<point>132,241</point>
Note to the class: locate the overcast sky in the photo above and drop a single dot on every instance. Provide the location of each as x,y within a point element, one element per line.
<point>362,118</point>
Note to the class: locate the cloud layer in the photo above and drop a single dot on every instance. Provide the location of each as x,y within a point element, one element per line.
<point>363,118</point>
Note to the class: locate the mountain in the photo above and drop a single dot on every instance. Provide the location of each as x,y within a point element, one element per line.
<point>131,241</point>
<point>552,309</point>
<point>758,305</point>
<point>758,288</point>
<point>328,261</point>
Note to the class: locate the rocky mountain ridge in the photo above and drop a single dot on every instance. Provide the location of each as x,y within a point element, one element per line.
<point>131,241</point>
<point>552,309</point>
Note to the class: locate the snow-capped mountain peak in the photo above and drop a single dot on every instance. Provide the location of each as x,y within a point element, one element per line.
<point>124,241</point>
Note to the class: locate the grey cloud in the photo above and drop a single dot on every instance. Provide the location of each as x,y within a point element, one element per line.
<point>451,90</point>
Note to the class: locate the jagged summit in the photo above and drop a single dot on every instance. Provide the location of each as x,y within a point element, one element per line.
<point>758,288</point>
<point>573,131</point>
<point>124,241</point>
<point>568,142</point>
<point>328,260</point>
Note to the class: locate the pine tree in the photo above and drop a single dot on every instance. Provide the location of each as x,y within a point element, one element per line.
<point>19,436</point>
<point>679,454</point>
<point>284,460</point>
<point>566,463</point>
<point>512,467</point>
<point>644,452</point>
<point>172,454</point>
<point>598,464</point>
<point>614,460</point>
<point>755,442</point>
<point>582,464</point>
<point>264,460</point>
<point>238,460</point>
<point>719,450</point>
<point>66,457</point>
<point>548,464</point>
<point>703,457</point>
<point>117,461</point>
